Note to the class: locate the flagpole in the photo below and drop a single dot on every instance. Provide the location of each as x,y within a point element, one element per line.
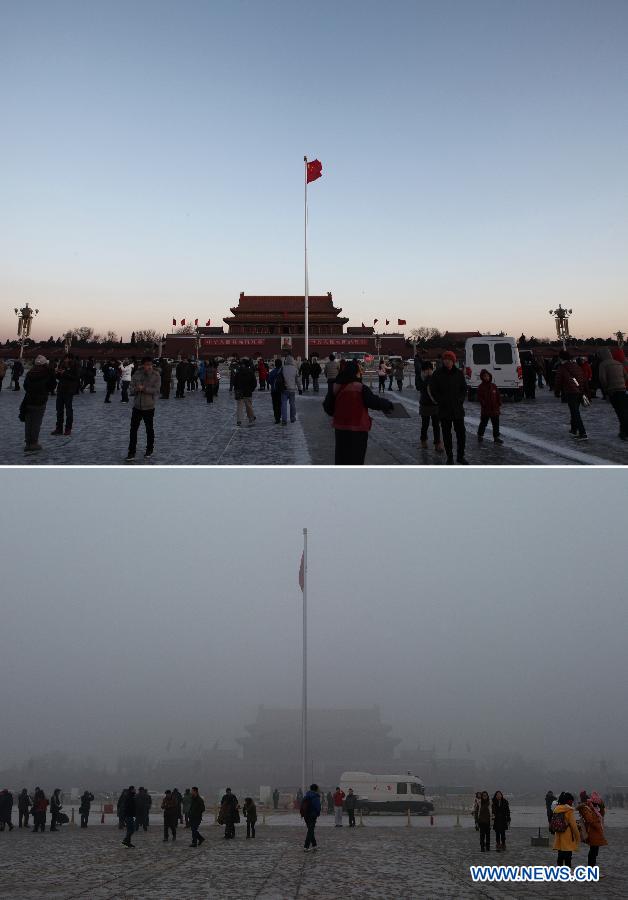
<point>304,687</point>
<point>307,314</point>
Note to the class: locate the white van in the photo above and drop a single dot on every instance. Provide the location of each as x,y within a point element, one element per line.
<point>387,793</point>
<point>500,356</point>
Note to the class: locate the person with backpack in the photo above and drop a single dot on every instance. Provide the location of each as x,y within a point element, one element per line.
<point>310,810</point>
<point>87,799</point>
<point>277,386</point>
<point>550,798</point>
<point>490,406</point>
<point>331,370</point>
<point>349,403</point>
<point>339,798</point>
<point>591,811</point>
<point>571,383</point>
<point>305,371</point>
<point>170,807</point>
<point>110,376</point>
<point>484,821</point>
<point>500,810</point>
<point>565,829</point>
<point>197,808</point>
<point>250,814</point>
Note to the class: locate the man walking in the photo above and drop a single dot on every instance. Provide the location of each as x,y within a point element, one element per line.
<point>570,382</point>
<point>448,389</point>
<point>145,387</point>
<point>244,383</point>
<point>17,370</point>
<point>129,815</point>
<point>24,804</point>
<point>126,374</point>
<point>310,811</point>
<point>339,797</point>
<point>288,397</point>
<point>3,371</point>
<point>181,373</point>
<point>68,380</point>
<point>197,808</point>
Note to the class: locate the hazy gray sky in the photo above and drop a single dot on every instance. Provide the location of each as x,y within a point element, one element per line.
<point>487,607</point>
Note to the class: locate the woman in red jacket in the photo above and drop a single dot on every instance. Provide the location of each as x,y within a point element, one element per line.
<point>491,404</point>
<point>349,403</point>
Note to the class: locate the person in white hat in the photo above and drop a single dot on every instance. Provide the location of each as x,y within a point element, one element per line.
<point>38,384</point>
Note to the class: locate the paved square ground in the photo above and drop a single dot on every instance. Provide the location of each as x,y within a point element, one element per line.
<point>369,862</point>
<point>192,432</point>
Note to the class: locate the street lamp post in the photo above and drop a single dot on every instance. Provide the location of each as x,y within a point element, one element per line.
<point>25,317</point>
<point>561,317</point>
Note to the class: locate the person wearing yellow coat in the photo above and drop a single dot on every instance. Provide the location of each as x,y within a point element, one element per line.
<point>568,840</point>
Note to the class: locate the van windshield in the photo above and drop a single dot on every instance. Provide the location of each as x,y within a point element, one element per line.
<point>402,787</point>
<point>416,788</point>
<point>503,354</point>
<point>481,355</point>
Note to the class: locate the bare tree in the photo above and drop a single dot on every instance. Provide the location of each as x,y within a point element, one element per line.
<point>147,336</point>
<point>186,329</point>
<point>110,338</point>
<point>84,333</point>
<point>423,334</point>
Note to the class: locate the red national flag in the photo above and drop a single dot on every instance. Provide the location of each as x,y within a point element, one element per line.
<point>401,321</point>
<point>388,321</point>
<point>314,170</point>
<point>363,325</point>
<point>183,321</point>
<point>196,321</point>
<point>208,322</point>
<point>174,321</point>
<point>375,321</point>
<point>302,573</point>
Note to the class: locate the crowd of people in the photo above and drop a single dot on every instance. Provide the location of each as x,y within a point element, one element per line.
<point>133,807</point>
<point>442,390</point>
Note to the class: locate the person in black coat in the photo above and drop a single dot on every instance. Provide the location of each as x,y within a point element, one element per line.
<point>181,374</point>
<point>129,815</point>
<point>24,804</point>
<point>500,810</point>
<point>244,383</point>
<point>86,803</point>
<point>6,809</point>
<point>448,389</point>
<point>38,383</point>
<point>68,378</point>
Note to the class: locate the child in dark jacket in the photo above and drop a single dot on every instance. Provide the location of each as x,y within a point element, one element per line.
<point>490,406</point>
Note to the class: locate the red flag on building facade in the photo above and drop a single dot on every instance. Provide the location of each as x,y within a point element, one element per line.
<point>196,321</point>
<point>314,170</point>
<point>183,321</point>
<point>208,322</point>
<point>174,321</point>
<point>388,321</point>
<point>375,321</point>
<point>401,321</point>
<point>301,573</point>
<point>363,325</point>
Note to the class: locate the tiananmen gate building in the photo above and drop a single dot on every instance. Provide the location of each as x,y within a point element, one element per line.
<point>266,326</point>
